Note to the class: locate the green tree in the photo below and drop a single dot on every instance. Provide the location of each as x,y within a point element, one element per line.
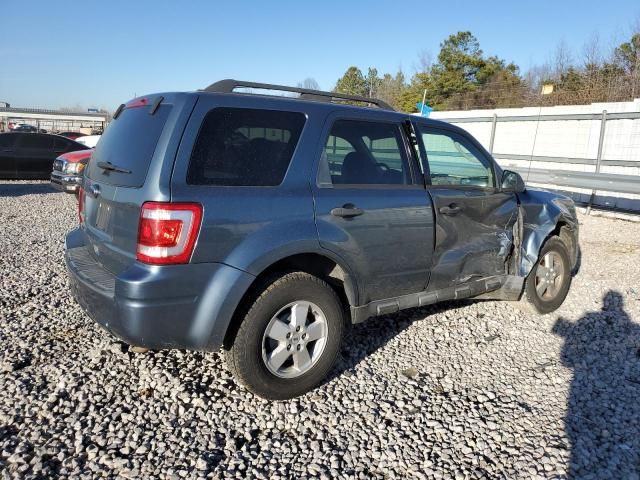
<point>463,76</point>
<point>391,89</point>
<point>352,83</point>
<point>372,82</point>
<point>627,55</point>
<point>462,69</point>
<point>413,93</point>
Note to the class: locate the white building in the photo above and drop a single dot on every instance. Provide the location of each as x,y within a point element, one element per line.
<point>52,120</point>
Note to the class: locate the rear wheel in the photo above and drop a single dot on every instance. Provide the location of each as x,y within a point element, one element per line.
<point>548,283</point>
<point>289,338</point>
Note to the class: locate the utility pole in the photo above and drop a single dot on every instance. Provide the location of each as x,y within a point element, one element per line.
<point>424,99</point>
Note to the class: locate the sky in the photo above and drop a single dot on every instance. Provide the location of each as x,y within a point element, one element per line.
<point>100,54</point>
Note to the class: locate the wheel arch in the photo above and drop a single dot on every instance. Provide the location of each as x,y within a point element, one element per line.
<point>324,265</point>
<point>536,236</point>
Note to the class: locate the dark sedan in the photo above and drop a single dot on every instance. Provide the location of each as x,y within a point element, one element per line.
<point>25,128</point>
<point>31,155</point>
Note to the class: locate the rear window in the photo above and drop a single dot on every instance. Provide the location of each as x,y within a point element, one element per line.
<point>244,147</point>
<point>128,143</point>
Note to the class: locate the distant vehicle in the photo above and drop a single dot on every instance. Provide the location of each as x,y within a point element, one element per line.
<point>89,140</point>
<point>31,155</point>
<point>71,135</point>
<point>68,170</point>
<point>266,225</point>
<point>25,128</point>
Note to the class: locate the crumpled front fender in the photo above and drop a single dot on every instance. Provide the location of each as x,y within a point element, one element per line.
<point>543,213</point>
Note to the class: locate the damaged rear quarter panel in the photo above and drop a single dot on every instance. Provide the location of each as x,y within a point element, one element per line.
<point>542,212</point>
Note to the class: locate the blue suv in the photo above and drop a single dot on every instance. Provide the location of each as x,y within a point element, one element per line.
<point>234,218</point>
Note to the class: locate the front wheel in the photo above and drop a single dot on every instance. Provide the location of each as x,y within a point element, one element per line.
<point>290,337</point>
<point>548,283</point>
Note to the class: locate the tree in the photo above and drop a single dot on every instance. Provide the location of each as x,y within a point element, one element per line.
<point>627,55</point>
<point>463,76</point>
<point>561,59</point>
<point>372,82</point>
<point>309,83</point>
<point>459,63</point>
<point>391,88</point>
<point>352,83</point>
<point>414,92</point>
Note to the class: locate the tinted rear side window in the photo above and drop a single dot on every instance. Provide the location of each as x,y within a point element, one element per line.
<point>128,143</point>
<point>244,147</point>
<point>40,142</point>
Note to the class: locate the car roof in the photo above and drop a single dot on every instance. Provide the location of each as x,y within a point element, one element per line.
<point>304,104</point>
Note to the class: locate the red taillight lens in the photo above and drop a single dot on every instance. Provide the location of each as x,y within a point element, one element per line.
<point>168,232</point>
<point>137,103</point>
<point>80,204</point>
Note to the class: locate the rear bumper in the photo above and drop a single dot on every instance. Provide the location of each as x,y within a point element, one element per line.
<point>65,183</point>
<point>178,306</point>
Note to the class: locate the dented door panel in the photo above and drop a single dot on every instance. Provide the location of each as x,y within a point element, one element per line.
<point>477,241</point>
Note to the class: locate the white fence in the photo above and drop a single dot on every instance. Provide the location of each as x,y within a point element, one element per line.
<point>567,146</point>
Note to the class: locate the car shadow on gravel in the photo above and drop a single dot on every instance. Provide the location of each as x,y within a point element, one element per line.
<point>603,414</point>
<point>21,189</point>
<point>363,339</point>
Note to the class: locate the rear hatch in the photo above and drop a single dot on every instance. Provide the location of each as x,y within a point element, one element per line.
<point>127,168</point>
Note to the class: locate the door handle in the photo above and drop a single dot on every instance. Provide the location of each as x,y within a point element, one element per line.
<point>347,210</point>
<point>93,190</point>
<point>452,209</point>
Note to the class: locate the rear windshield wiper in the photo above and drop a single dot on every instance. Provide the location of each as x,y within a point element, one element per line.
<point>111,167</point>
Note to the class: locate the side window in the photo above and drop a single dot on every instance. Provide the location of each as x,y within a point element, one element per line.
<point>455,161</point>
<point>364,153</point>
<point>61,145</point>
<point>336,150</point>
<point>39,142</point>
<point>244,147</point>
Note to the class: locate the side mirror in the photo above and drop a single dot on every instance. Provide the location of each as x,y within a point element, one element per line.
<point>512,182</point>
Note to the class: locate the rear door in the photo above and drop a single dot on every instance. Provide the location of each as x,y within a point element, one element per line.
<point>371,206</point>
<point>35,156</point>
<point>474,234</point>
<point>7,155</point>
<point>140,143</point>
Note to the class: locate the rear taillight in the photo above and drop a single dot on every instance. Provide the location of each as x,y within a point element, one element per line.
<point>80,205</point>
<point>168,232</point>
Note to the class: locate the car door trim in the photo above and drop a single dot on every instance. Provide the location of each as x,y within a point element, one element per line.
<point>504,287</point>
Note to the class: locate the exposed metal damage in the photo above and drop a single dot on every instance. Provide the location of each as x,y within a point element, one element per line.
<point>544,213</point>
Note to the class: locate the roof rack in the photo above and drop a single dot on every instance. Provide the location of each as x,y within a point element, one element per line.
<point>229,85</point>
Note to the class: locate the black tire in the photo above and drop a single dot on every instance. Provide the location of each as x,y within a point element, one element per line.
<point>539,302</point>
<point>245,355</point>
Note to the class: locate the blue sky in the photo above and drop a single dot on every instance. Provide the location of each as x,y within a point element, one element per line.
<point>63,53</point>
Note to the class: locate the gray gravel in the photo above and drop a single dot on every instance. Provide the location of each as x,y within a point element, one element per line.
<point>462,390</point>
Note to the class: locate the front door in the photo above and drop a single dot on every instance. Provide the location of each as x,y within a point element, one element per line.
<point>371,207</point>
<point>474,219</point>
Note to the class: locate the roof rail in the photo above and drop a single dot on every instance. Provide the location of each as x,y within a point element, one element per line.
<point>229,85</point>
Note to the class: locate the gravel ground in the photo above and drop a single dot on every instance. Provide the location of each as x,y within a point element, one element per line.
<point>462,390</point>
